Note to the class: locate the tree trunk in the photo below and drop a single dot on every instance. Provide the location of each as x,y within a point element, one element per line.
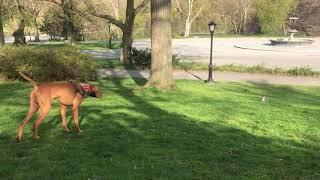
<point>187,28</point>
<point>127,31</point>
<point>127,47</point>
<point>2,42</point>
<point>37,36</point>
<point>19,38</point>
<point>68,29</point>
<point>161,55</point>
<point>110,35</point>
<point>68,24</point>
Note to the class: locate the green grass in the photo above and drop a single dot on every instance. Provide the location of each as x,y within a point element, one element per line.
<point>111,64</point>
<point>95,45</point>
<point>260,68</point>
<point>194,132</point>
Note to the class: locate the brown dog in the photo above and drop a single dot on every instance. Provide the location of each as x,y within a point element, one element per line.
<point>67,93</point>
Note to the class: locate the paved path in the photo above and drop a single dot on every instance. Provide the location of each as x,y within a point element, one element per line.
<point>243,51</point>
<point>219,76</point>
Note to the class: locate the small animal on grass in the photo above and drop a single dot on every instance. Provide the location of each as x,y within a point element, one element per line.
<point>68,93</point>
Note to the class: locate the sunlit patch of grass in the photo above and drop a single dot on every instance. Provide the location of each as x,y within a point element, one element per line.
<point>194,132</point>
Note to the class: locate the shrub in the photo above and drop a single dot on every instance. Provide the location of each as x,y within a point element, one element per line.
<point>46,64</point>
<point>301,71</point>
<point>142,58</point>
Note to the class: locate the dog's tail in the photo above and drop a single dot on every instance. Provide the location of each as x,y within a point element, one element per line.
<point>35,85</point>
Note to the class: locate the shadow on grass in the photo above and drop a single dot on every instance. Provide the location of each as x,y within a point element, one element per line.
<point>153,143</point>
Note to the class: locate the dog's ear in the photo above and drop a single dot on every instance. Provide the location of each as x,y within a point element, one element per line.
<point>96,91</point>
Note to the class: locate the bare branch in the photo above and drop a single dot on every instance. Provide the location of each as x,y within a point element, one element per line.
<point>198,13</point>
<point>115,8</point>
<point>55,2</point>
<point>179,7</point>
<point>140,6</point>
<point>93,11</point>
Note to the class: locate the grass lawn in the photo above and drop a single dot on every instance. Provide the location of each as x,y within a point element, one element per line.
<point>194,132</point>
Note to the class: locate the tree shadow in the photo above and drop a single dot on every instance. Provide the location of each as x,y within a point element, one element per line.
<point>136,139</point>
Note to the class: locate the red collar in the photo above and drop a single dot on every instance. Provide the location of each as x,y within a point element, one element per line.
<point>86,87</point>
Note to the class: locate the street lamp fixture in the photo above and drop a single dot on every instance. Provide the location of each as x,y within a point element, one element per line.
<point>212,27</point>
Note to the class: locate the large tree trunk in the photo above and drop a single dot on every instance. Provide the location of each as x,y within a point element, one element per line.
<point>161,57</point>
<point>19,38</point>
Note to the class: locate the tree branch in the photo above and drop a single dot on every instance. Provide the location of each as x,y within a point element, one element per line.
<point>93,11</point>
<point>55,2</point>
<point>140,6</point>
<point>198,13</point>
<point>179,7</point>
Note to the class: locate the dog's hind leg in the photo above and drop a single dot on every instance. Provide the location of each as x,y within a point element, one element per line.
<point>32,110</point>
<point>64,119</point>
<point>44,111</point>
<point>75,109</point>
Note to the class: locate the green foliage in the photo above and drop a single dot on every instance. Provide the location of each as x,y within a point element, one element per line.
<point>272,15</point>
<point>194,132</point>
<point>53,23</point>
<point>302,71</point>
<point>46,64</point>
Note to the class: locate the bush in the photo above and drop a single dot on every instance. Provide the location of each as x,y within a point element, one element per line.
<point>141,58</point>
<point>301,71</point>
<point>46,64</point>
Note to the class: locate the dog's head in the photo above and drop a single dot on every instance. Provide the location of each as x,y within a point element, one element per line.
<point>95,92</point>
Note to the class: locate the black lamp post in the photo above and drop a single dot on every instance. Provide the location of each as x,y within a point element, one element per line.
<point>212,26</point>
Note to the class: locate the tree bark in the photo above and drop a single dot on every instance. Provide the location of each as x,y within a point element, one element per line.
<point>19,37</point>
<point>2,42</point>
<point>37,36</point>
<point>127,46</point>
<point>110,35</point>
<point>187,28</point>
<point>161,55</point>
<point>68,25</point>
<point>127,33</point>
